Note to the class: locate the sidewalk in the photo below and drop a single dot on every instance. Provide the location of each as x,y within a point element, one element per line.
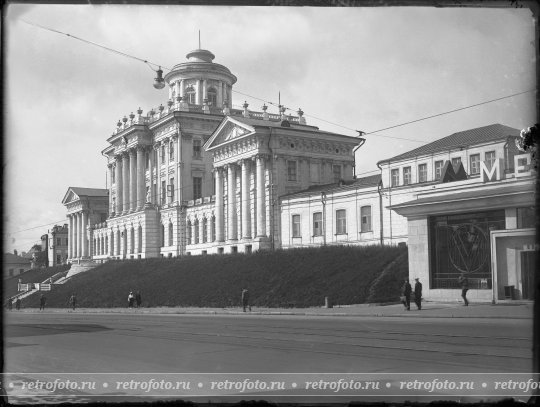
<point>429,310</point>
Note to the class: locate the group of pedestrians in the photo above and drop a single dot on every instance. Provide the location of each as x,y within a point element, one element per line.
<point>134,299</point>
<point>18,304</point>
<point>406,291</point>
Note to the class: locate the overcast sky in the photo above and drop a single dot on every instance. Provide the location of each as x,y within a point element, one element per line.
<point>361,68</point>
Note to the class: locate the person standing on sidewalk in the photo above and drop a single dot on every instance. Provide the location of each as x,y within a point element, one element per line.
<point>42,302</point>
<point>18,304</point>
<point>406,294</point>
<point>131,298</point>
<point>464,283</point>
<point>418,293</point>
<point>73,301</point>
<point>245,299</point>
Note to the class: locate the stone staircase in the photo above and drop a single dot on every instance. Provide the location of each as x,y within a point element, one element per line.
<point>76,268</point>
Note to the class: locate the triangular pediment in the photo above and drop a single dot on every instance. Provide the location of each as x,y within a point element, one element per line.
<point>70,196</point>
<point>229,130</point>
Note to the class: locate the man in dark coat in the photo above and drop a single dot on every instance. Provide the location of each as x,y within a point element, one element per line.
<point>406,293</point>
<point>42,302</point>
<point>245,299</point>
<point>464,283</point>
<point>18,304</point>
<point>418,293</point>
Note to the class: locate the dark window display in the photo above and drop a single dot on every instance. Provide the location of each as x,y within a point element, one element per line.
<point>461,243</point>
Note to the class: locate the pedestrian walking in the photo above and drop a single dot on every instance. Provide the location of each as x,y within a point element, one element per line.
<point>406,294</point>
<point>131,298</point>
<point>73,301</point>
<point>418,293</point>
<point>18,304</point>
<point>245,299</point>
<point>42,302</point>
<point>464,283</point>
<point>138,299</point>
<point>10,304</point>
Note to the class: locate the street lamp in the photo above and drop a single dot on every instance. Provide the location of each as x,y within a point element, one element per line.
<point>159,82</point>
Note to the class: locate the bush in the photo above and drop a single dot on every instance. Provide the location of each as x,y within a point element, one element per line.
<point>299,277</point>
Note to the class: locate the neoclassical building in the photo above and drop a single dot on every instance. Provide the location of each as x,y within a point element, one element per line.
<point>197,176</point>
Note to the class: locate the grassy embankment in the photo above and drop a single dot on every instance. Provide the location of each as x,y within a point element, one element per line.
<point>300,277</point>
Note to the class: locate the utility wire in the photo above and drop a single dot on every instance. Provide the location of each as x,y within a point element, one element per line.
<point>375,132</point>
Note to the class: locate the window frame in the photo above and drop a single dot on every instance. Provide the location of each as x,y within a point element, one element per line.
<point>197,187</point>
<point>296,226</point>
<point>320,222</point>
<point>490,161</point>
<point>474,168</point>
<point>334,172</point>
<point>369,227</point>
<point>341,222</point>
<point>438,167</point>
<point>394,177</point>
<point>407,175</point>
<point>422,173</point>
<point>292,173</point>
<point>197,148</point>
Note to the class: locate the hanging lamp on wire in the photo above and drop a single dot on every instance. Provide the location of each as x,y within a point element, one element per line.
<point>159,82</point>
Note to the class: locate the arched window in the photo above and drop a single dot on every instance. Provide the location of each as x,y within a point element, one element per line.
<point>170,234</point>
<point>204,231</point>
<point>190,95</point>
<point>188,234</point>
<point>196,232</point>
<point>212,97</point>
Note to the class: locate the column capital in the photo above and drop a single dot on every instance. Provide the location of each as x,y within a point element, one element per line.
<point>156,146</point>
<point>132,151</point>
<point>174,137</point>
<point>231,166</point>
<point>141,147</point>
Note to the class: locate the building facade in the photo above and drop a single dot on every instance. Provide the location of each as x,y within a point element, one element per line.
<point>464,203</point>
<point>85,207</point>
<point>14,264</point>
<point>56,242</point>
<point>199,177</point>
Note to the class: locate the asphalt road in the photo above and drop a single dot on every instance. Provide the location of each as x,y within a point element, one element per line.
<point>134,343</point>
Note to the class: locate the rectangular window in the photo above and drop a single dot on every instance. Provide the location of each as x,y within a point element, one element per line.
<point>317,224</point>
<point>455,163</point>
<point>490,159</point>
<point>197,148</point>
<point>163,192</point>
<point>365,219</point>
<point>406,175</point>
<point>341,222</point>
<point>171,151</point>
<point>162,154</point>
<point>395,178</point>
<point>336,170</point>
<point>438,169</point>
<point>296,226</point>
<point>170,190</point>
<point>475,164</point>
<point>58,241</point>
<point>197,187</point>
<point>422,173</point>
<point>67,242</point>
<point>291,170</point>
<point>58,258</point>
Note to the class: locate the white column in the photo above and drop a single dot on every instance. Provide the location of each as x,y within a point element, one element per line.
<point>219,205</point>
<point>204,88</point>
<point>111,189</point>
<point>178,175</point>
<point>231,202</point>
<point>201,229</point>
<point>167,163</point>
<point>219,101</point>
<point>245,197</point>
<point>193,233</point>
<point>118,183</point>
<point>141,190</point>
<point>125,183</point>
<point>209,228</point>
<point>79,234</point>
<point>198,92</point>
<point>84,245</point>
<point>159,162</point>
<point>70,237</point>
<point>153,164</point>
<point>182,87</point>
<point>261,198</point>
<point>133,180</point>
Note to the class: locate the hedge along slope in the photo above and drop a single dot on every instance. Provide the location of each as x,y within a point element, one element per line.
<point>303,277</point>
<point>387,286</point>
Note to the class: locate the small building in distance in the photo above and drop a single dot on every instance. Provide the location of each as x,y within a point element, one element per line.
<point>15,264</point>
<point>55,242</point>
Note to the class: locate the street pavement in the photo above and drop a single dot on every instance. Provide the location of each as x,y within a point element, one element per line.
<point>429,310</point>
<point>209,345</point>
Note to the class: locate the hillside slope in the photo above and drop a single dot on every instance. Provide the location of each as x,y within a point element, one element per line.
<point>300,277</point>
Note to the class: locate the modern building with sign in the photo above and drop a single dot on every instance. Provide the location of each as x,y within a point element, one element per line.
<point>463,203</point>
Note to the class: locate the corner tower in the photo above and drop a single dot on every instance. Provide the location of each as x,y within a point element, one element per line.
<point>199,81</point>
